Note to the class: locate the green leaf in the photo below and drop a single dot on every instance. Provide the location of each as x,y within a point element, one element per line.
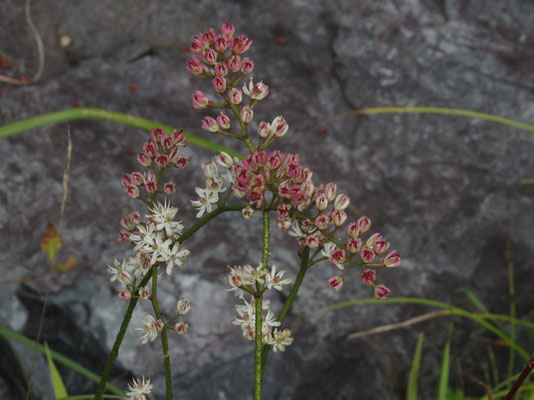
<point>444,373</point>
<point>474,299</point>
<point>57,382</point>
<point>73,114</point>
<point>411,393</point>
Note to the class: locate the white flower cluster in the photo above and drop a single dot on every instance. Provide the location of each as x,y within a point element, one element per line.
<point>242,280</point>
<point>155,241</point>
<point>209,196</point>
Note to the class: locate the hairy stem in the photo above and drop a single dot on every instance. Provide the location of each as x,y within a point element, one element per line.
<point>258,370</point>
<point>118,340</point>
<point>289,302</point>
<point>164,342</point>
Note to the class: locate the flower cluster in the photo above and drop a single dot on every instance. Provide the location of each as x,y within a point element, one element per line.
<point>247,279</point>
<point>161,151</point>
<point>156,239</point>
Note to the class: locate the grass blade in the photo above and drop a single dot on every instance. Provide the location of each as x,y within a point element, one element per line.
<point>411,393</point>
<point>17,337</point>
<point>444,373</point>
<point>73,114</point>
<point>57,382</point>
<point>474,299</point>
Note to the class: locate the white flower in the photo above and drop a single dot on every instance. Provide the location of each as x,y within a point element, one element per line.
<point>274,280</point>
<point>143,237</point>
<point>150,328</point>
<point>163,216</point>
<point>172,255</point>
<point>295,230</point>
<point>280,339</point>
<point>139,388</point>
<point>207,199</point>
<point>327,249</point>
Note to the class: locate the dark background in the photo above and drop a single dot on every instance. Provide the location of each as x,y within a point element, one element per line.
<point>443,189</point>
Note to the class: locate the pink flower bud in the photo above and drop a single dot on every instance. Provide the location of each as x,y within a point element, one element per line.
<point>197,46</point>
<point>342,201</point>
<point>322,221</point>
<point>247,65</point>
<point>312,241</point>
<point>124,294</point>
<point>144,293</point>
<point>339,217</point>
<point>337,256</point>
<point>124,236</point>
<point>367,255</point>
<point>150,148</point>
<point>183,306</point>
<point>137,178</point>
<point>162,160</point>
<point>227,30</point>
<point>199,100</point>
<point>209,124</point>
<point>279,127</point>
<point>221,44</point>
<point>195,67</point>
<point>167,143</point>
<point>393,259</point>
<point>247,212</point>
<point>235,95</point>
<point>321,202</point>
<point>219,84</point>
<point>210,57</point>
<point>246,114</point>
<point>157,134</point>
<point>264,128</point>
<point>380,246</point>
<point>382,292</point>
<point>368,276</point>
<point>353,230</point>
<point>178,136</point>
<point>136,218</point>
<point>330,191</point>
<point>223,121</point>
<point>144,160</point>
<point>181,327</point>
<point>209,36</point>
<point>354,245</point>
<point>224,160</point>
<point>364,223</point>
<point>283,223</point>
<point>234,63</point>
<point>150,182</point>
<point>169,187</point>
<point>132,191</point>
<point>220,69</point>
<point>335,282</point>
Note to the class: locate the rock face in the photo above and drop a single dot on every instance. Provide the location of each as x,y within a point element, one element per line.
<point>444,190</point>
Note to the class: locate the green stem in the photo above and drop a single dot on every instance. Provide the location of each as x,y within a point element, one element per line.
<point>291,298</point>
<point>164,342</point>
<point>118,340</point>
<point>258,370</point>
<point>72,114</point>
<point>208,217</point>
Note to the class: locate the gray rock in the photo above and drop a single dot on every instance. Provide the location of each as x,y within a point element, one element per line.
<point>444,190</point>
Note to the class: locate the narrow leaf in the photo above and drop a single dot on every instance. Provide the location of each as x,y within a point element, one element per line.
<point>444,374</point>
<point>411,393</point>
<point>474,299</point>
<point>57,382</point>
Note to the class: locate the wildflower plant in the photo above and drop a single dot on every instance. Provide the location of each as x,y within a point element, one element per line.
<point>271,183</point>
